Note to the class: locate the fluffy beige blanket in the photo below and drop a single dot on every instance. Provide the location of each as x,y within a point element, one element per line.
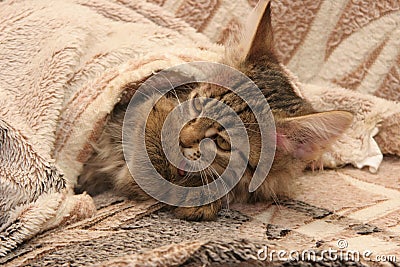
<point>65,64</point>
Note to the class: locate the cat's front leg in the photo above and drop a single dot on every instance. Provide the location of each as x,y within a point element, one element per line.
<point>202,213</point>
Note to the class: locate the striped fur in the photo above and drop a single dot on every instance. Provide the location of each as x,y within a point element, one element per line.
<point>302,134</point>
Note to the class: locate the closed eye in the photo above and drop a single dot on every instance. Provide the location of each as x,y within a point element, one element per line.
<point>222,143</point>
<point>197,105</point>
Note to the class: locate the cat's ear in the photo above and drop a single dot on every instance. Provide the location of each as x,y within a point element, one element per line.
<point>307,137</point>
<point>257,38</point>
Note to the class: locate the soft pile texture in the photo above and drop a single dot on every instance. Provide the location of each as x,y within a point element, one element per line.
<point>65,64</point>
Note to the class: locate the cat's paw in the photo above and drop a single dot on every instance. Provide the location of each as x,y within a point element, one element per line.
<point>203,213</point>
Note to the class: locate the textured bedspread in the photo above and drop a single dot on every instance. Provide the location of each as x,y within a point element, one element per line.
<point>65,64</point>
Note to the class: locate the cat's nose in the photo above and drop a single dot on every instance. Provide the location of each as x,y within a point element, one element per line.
<point>191,153</point>
<point>189,136</point>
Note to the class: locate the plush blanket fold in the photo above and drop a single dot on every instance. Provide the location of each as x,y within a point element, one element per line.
<point>65,65</point>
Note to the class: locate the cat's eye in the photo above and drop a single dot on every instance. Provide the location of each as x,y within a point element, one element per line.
<point>222,143</point>
<point>197,105</point>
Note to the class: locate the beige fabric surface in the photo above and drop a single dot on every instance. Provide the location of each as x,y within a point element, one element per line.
<point>65,64</point>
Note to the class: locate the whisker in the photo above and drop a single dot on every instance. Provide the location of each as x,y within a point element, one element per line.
<point>208,184</point>
<point>189,173</point>
<point>212,169</point>
<point>275,199</point>
<point>211,174</point>
<point>203,179</point>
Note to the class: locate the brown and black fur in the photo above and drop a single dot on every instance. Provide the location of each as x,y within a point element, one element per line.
<point>302,134</point>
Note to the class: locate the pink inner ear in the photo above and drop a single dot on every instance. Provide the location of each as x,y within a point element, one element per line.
<point>283,143</point>
<point>306,152</point>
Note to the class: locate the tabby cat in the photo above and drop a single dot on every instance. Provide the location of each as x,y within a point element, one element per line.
<point>302,134</point>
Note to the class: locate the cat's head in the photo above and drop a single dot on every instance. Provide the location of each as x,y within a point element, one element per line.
<point>302,134</point>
